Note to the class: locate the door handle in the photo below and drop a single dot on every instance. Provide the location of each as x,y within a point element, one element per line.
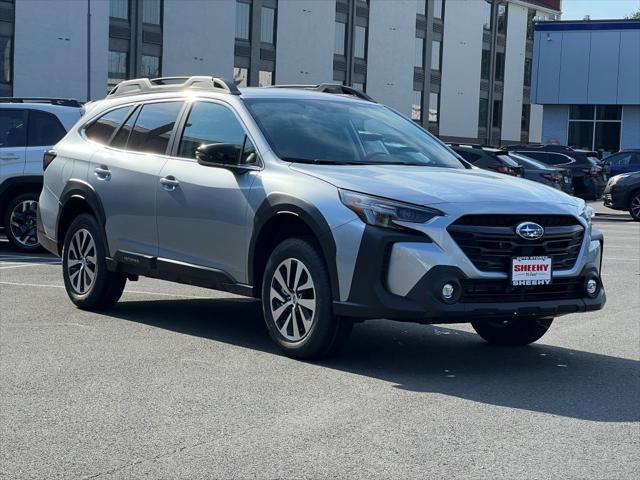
<point>103,173</point>
<point>169,183</point>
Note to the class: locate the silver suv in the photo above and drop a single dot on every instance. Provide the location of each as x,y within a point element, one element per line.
<point>329,207</point>
<point>28,127</point>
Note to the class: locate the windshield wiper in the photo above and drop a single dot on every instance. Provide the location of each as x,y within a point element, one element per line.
<point>317,161</point>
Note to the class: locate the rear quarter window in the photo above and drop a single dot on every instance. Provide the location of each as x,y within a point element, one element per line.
<point>101,129</point>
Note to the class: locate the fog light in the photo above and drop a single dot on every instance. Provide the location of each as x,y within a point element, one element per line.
<point>592,286</point>
<point>448,291</point>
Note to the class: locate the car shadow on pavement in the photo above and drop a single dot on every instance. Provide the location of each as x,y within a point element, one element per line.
<point>541,378</point>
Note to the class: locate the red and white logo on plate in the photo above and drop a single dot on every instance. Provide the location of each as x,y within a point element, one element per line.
<point>531,271</point>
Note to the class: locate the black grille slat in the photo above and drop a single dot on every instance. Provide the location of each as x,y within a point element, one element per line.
<point>489,291</point>
<point>490,241</point>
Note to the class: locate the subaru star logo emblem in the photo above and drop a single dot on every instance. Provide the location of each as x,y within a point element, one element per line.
<point>530,231</point>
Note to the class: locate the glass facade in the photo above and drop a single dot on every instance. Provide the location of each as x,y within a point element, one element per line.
<point>265,79</point>
<point>119,9</point>
<point>6,51</point>
<point>435,54</point>
<point>152,11</point>
<point>434,106</point>
<point>241,76</point>
<point>437,8</point>
<point>416,106</point>
<point>595,127</point>
<point>360,46</point>
<point>267,24</point>
<point>341,29</point>
<point>419,60</point>
<point>243,20</point>
<point>117,68</point>
<point>150,66</point>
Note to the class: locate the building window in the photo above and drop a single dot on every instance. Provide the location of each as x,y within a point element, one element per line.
<point>267,24</point>
<point>419,60</point>
<point>360,42</point>
<point>422,7</point>
<point>341,29</point>
<point>499,67</point>
<point>437,8</point>
<point>434,100</point>
<point>119,9</point>
<point>265,79</point>
<point>483,111</point>
<point>502,19</point>
<point>485,66</point>
<point>528,63</point>
<point>5,59</point>
<point>150,66</point>
<point>487,16</point>
<point>435,55</point>
<point>241,76</point>
<point>358,86</point>
<point>416,106</point>
<point>526,115</point>
<point>497,113</point>
<point>152,11</point>
<point>595,127</point>
<point>243,20</point>
<point>531,16</point>
<point>118,68</point>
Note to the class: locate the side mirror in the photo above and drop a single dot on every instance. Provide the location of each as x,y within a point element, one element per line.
<point>218,155</point>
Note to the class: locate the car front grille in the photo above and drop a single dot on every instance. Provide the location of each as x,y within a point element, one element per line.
<point>490,241</point>
<point>490,291</point>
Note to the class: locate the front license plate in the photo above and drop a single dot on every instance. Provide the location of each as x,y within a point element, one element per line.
<point>530,271</point>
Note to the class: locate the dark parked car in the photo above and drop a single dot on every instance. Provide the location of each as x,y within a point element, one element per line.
<point>623,162</point>
<point>589,178</point>
<point>537,171</point>
<point>489,159</point>
<point>623,193</point>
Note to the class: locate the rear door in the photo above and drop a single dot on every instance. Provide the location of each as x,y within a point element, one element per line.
<point>125,173</point>
<point>45,130</point>
<point>202,210</point>
<point>13,142</point>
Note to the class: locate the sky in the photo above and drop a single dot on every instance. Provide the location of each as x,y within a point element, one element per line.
<point>598,9</point>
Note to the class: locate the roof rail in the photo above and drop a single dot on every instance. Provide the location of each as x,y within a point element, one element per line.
<point>334,88</point>
<point>138,86</point>
<point>65,102</point>
<point>465,145</point>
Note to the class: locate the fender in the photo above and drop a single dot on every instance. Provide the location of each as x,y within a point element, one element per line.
<point>76,188</point>
<point>280,203</point>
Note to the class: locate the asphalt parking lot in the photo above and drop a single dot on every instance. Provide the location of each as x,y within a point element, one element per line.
<point>180,382</point>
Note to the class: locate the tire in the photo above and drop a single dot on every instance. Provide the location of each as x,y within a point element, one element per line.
<point>297,302</point>
<point>512,332</point>
<point>20,222</point>
<point>84,253</point>
<point>634,206</point>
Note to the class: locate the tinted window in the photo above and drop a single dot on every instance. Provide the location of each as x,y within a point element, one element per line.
<point>102,129</point>
<point>153,127</point>
<point>540,156</point>
<point>485,162</point>
<point>120,140</point>
<point>556,159</point>
<point>467,155</point>
<point>635,160</point>
<point>44,129</point>
<point>13,128</point>
<point>209,123</point>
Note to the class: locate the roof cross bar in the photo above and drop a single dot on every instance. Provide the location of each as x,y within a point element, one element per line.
<point>138,86</point>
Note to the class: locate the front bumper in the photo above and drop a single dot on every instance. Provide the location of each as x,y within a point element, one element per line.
<point>400,276</point>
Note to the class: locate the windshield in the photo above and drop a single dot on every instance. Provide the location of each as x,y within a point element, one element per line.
<point>529,162</point>
<point>338,132</point>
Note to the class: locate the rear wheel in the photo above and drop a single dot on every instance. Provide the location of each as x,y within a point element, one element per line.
<point>20,222</point>
<point>512,332</point>
<point>634,206</point>
<point>297,302</point>
<point>88,282</point>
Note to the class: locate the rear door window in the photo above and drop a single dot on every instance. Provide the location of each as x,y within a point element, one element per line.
<point>13,128</point>
<point>44,129</point>
<point>557,159</point>
<point>153,127</point>
<point>102,129</point>
<point>121,138</point>
<point>467,155</point>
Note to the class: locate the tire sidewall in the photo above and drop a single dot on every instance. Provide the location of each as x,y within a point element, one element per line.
<point>633,196</point>
<point>92,296</point>
<point>7,219</point>
<point>322,328</point>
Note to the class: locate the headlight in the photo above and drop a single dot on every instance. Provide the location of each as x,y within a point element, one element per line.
<point>588,213</point>
<point>382,212</point>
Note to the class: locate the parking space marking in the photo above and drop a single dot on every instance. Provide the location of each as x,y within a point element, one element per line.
<point>137,292</point>
<point>20,265</point>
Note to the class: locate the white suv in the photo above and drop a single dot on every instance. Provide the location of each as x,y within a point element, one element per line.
<point>28,127</point>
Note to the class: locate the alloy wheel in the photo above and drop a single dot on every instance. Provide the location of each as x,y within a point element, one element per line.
<point>23,223</point>
<point>292,299</point>
<point>81,261</point>
<point>635,206</point>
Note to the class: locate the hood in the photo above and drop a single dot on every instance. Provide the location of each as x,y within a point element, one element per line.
<point>431,186</point>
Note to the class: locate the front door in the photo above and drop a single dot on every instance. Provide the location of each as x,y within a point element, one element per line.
<point>202,210</point>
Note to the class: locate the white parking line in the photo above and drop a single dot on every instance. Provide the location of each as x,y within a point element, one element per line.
<point>137,292</point>
<point>24,257</point>
<point>20,265</point>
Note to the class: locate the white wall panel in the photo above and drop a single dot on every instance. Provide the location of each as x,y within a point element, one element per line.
<point>514,72</point>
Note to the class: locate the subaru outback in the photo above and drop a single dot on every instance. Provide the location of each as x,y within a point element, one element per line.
<point>330,208</point>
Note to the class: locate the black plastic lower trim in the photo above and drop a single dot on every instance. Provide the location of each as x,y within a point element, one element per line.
<point>47,243</point>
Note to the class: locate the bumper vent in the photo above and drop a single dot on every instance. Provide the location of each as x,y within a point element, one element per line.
<point>490,241</point>
<point>494,291</point>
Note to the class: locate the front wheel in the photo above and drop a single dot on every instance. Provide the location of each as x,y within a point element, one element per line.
<point>634,206</point>
<point>297,302</point>
<point>88,282</point>
<point>512,332</point>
